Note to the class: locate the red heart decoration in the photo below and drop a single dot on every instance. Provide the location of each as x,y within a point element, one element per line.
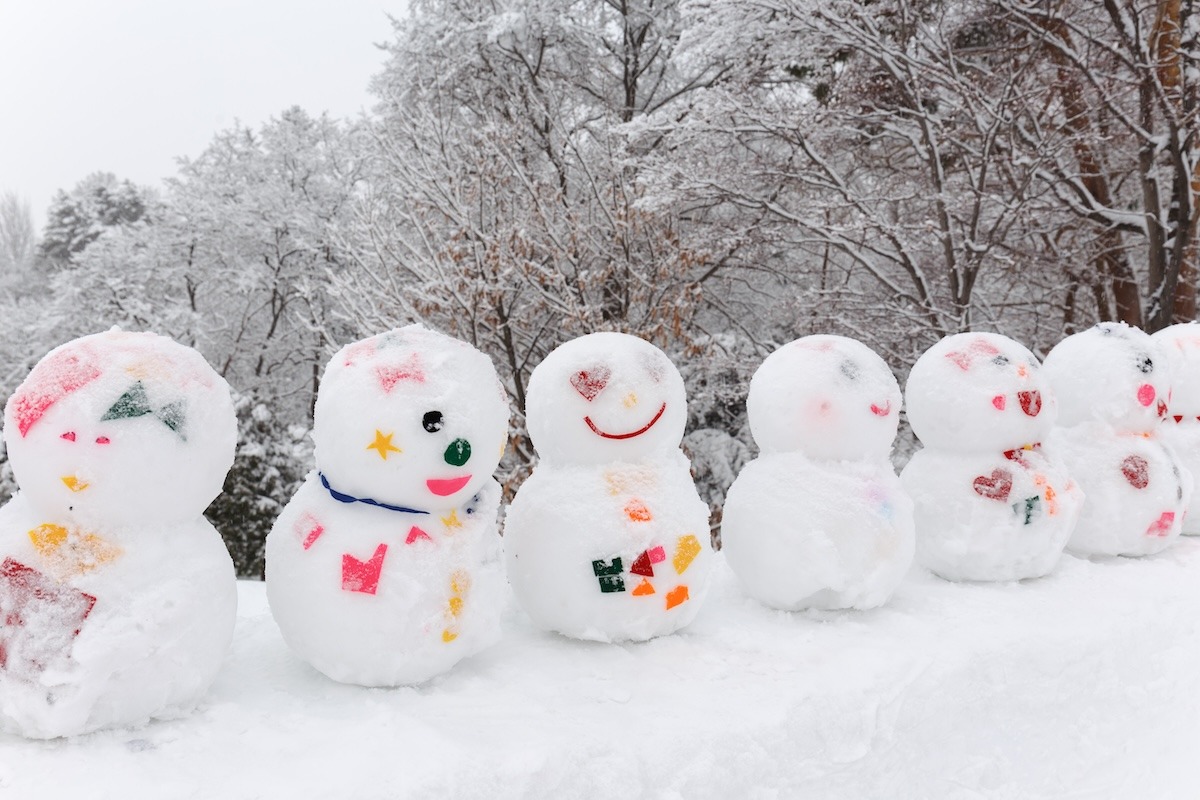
<point>1136,471</point>
<point>996,486</point>
<point>590,382</point>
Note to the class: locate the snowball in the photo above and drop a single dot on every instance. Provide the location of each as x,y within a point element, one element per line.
<point>1110,373</point>
<point>990,517</point>
<point>605,397</point>
<point>118,598</point>
<point>1179,345</point>
<point>384,568</point>
<point>121,429</point>
<point>612,553</point>
<point>805,534</point>
<point>828,396</point>
<point>608,539</point>
<point>1137,492</point>
<point>978,392</point>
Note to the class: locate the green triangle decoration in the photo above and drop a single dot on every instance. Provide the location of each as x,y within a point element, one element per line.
<point>134,403</point>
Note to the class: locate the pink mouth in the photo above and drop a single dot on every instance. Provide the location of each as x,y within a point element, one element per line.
<point>1031,402</point>
<point>883,410</point>
<point>444,486</point>
<point>629,435</point>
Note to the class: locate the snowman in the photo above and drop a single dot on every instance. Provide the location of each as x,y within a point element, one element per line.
<point>819,519</point>
<point>1180,429</point>
<point>991,503</point>
<point>1113,387</point>
<point>384,568</point>
<point>117,598</point>
<point>607,539</point>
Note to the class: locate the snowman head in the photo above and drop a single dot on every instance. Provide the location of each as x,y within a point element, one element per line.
<point>829,397</point>
<point>1110,373</point>
<point>1180,345</point>
<point>605,397</point>
<point>121,430</point>
<point>977,392</point>
<point>410,418</point>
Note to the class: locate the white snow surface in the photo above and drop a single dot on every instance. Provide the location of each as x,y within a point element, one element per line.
<point>1080,684</point>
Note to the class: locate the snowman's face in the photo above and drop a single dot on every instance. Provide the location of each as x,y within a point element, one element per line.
<point>829,397</point>
<point>974,392</point>
<point>121,431</point>
<point>605,397</point>
<point>411,419</point>
<point>1180,345</point>
<point>1110,373</point>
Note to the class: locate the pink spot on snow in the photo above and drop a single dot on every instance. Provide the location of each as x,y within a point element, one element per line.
<point>308,528</point>
<point>883,410</point>
<point>54,378</point>
<point>999,402</point>
<point>409,370</point>
<point>1162,525</point>
<point>1146,394</point>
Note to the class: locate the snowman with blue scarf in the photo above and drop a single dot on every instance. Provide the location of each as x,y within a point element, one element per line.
<point>383,570</point>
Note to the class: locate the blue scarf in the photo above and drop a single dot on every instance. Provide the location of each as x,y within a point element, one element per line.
<point>342,497</point>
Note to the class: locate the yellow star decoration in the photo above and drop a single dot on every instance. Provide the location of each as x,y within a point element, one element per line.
<point>460,582</point>
<point>383,445</point>
<point>68,553</point>
<point>451,522</point>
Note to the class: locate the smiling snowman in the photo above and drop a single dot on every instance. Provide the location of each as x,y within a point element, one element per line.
<point>117,598</point>
<point>384,568</point>
<point>608,540</point>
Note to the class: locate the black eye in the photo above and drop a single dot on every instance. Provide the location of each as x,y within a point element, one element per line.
<point>1145,365</point>
<point>432,421</point>
<point>1000,361</point>
<point>849,369</point>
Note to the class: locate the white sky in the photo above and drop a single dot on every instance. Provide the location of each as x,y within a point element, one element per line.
<point>126,86</point>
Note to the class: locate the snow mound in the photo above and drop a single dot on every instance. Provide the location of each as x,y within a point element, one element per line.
<point>1080,683</point>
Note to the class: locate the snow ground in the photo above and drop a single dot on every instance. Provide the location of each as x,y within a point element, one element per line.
<point>1082,684</point>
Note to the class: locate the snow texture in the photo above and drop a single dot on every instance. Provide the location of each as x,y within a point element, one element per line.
<point>991,504</point>
<point>116,596</point>
<point>819,520</point>
<point>608,539</point>
<point>384,569</point>
<point>1080,684</point>
<point>1113,384</point>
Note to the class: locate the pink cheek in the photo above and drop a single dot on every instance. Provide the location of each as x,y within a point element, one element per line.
<point>69,436</point>
<point>1145,394</point>
<point>998,401</point>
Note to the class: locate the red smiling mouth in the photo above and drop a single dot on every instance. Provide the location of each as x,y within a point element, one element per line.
<point>444,486</point>
<point>629,435</point>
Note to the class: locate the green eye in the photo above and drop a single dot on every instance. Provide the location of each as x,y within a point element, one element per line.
<point>458,453</point>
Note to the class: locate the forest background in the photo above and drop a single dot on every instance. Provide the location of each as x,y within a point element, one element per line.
<point>716,176</point>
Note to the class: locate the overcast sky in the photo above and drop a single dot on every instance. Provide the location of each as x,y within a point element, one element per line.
<point>126,86</point>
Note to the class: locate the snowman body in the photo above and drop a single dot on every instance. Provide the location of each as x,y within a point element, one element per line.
<point>819,519</point>
<point>384,567</point>
<point>1180,428</point>
<point>991,503</point>
<point>608,539</point>
<point>118,598</point>
<point>1113,385</point>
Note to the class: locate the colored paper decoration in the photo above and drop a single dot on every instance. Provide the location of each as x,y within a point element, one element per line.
<point>1028,507</point>
<point>643,589</point>
<point>415,533</point>
<point>975,350</point>
<point>308,529</point>
<point>363,576</point>
<point>999,401</point>
<point>1146,394</point>
<point>637,512</point>
<point>590,382</point>
<point>69,552</point>
<point>460,582</point>
<point>609,574</point>
<point>676,596</point>
<point>1031,402</point>
<point>686,551</point>
<point>451,521</point>
<point>39,619</point>
<point>136,403</point>
<point>52,379</point>
<point>657,554</point>
<point>1137,471</point>
<point>994,487</point>
<point>458,453</point>
<point>642,566</point>
<point>383,444</point>
<point>1162,525</point>
<point>409,370</point>
<point>882,410</point>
